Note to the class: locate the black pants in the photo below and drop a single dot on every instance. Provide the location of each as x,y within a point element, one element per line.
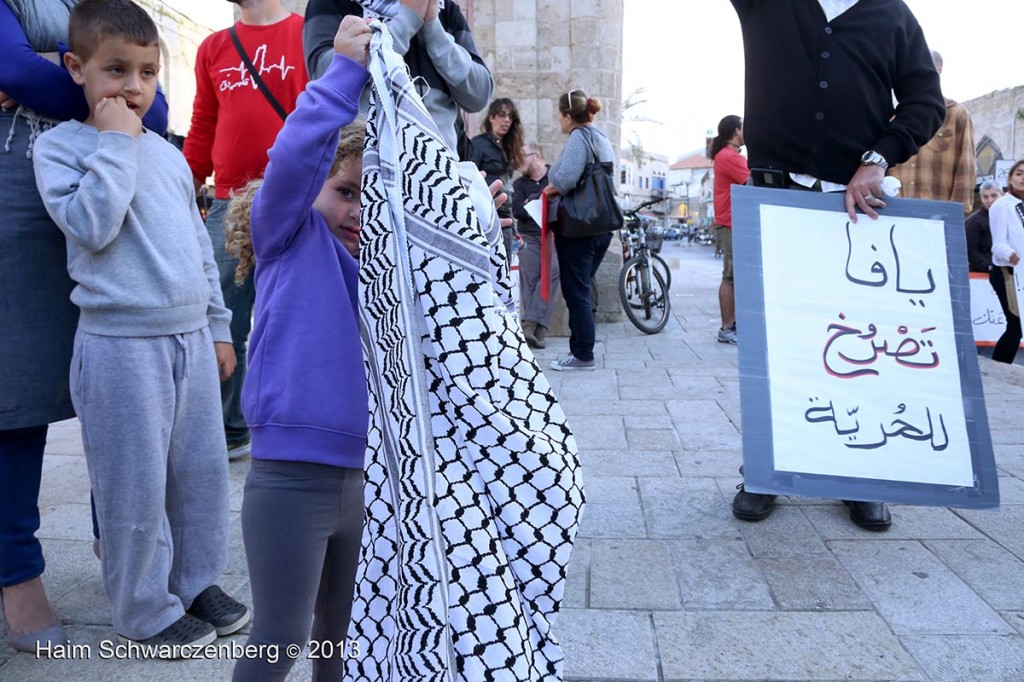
<point>578,261</point>
<point>1006,347</point>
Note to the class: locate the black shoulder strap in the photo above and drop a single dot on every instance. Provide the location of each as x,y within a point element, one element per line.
<point>1020,211</point>
<point>256,75</point>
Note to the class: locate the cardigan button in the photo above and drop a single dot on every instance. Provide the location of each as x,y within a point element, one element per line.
<point>820,116</point>
<point>828,30</point>
<point>823,85</point>
<point>826,54</point>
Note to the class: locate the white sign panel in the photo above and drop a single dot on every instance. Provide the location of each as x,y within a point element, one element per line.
<point>858,374</point>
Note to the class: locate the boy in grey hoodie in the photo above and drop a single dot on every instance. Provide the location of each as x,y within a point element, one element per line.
<point>152,334</point>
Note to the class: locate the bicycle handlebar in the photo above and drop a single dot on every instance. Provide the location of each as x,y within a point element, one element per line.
<point>633,211</point>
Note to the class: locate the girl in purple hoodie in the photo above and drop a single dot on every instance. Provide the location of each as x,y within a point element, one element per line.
<point>305,397</point>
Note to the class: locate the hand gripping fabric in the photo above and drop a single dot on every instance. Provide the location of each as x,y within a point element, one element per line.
<point>473,484</point>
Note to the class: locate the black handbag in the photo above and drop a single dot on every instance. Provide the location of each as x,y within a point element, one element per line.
<point>590,208</point>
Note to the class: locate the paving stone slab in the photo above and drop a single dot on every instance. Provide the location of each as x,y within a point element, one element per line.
<point>659,421</point>
<point>632,574</point>
<point>1005,525</point>
<point>708,463</point>
<point>69,563</point>
<point>608,463</point>
<point>719,574</point>
<point>619,408</point>
<point>932,523</point>
<point>786,533</point>
<point>702,425</point>
<point>652,439</point>
<point>51,461</point>
<point>65,438</point>
<point>1011,490</point>
<point>66,483</point>
<point>607,645</point>
<point>686,508</point>
<point>1015,619</point>
<point>995,574</point>
<point>812,584</point>
<point>577,576</point>
<point>613,509</point>
<point>65,522</point>
<point>690,385</point>
<point>915,592</point>
<point>583,385</point>
<point>643,378</point>
<point>780,646</point>
<point>599,432</point>
<point>956,659</point>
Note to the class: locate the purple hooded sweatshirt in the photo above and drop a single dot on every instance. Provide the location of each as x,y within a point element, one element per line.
<point>305,394</point>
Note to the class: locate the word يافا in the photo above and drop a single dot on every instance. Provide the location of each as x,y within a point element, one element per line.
<point>879,275</point>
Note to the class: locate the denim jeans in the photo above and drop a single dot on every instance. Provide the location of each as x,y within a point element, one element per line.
<point>239,300</point>
<point>578,261</point>
<point>21,468</point>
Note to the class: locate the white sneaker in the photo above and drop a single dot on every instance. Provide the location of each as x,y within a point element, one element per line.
<point>240,451</point>
<point>571,363</point>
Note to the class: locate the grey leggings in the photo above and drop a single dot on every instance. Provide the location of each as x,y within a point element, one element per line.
<point>302,524</point>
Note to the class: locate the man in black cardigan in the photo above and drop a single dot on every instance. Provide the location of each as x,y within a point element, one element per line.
<point>820,82</point>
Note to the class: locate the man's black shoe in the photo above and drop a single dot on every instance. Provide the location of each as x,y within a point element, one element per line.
<point>873,516</point>
<point>752,506</point>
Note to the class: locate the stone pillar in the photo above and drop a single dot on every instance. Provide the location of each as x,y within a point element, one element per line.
<point>539,50</point>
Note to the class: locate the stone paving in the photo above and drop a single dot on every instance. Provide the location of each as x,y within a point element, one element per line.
<point>665,584</point>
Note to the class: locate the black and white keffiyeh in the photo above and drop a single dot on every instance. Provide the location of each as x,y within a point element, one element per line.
<point>473,485</point>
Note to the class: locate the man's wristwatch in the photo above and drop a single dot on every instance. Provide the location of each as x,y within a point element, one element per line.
<point>873,158</point>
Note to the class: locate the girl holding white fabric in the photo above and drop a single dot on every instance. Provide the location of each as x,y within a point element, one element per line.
<point>1006,218</point>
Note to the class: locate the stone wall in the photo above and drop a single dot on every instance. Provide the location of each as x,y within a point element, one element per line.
<point>179,42</point>
<point>995,115</point>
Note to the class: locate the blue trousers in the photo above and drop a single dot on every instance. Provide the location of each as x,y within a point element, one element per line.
<point>578,261</point>
<point>239,300</point>
<point>21,468</point>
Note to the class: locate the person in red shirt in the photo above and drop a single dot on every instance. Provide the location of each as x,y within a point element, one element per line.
<point>730,169</point>
<point>234,123</point>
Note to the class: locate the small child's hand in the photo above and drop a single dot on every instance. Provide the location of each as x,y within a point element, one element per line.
<point>353,39</point>
<point>113,114</point>
<point>226,360</point>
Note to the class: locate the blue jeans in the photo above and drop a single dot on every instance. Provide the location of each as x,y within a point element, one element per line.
<point>239,300</point>
<point>578,261</point>
<point>21,468</point>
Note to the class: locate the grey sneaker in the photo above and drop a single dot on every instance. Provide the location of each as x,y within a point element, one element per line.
<point>727,335</point>
<point>225,614</point>
<point>177,639</point>
<point>239,451</point>
<point>571,363</point>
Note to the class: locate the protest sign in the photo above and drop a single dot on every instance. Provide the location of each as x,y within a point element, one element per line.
<point>858,373</point>
<point>987,319</point>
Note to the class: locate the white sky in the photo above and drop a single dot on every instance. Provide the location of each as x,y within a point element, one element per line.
<point>215,14</point>
<point>688,55</point>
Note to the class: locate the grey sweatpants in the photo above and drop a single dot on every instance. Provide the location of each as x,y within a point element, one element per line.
<point>154,445</point>
<point>535,308</point>
<point>302,525</point>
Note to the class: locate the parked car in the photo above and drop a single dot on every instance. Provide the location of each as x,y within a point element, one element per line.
<point>673,233</point>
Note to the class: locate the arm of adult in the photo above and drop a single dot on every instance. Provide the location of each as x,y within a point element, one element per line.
<point>156,118</point>
<point>566,171</point>
<point>198,148</point>
<point>456,58</point>
<point>88,202</point>
<point>965,170</point>
<point>34,81</point>
<point>323,17</point>
<point>1000,218</point>
<point>303,153</point>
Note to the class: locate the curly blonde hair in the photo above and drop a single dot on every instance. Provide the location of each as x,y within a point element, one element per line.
<point>237,221</point>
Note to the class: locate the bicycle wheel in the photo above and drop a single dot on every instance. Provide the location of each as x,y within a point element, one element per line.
<point>647,307</point>
<point>666,272</point>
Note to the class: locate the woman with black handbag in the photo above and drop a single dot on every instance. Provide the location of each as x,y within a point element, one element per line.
<point>587,214</point>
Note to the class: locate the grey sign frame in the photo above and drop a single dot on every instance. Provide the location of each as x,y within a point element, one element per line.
<point>760,474</point>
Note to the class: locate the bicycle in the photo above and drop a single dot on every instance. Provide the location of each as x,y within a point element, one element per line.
<point>645,278</point>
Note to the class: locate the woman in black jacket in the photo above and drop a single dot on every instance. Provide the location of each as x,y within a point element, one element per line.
<point>498,151</point>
